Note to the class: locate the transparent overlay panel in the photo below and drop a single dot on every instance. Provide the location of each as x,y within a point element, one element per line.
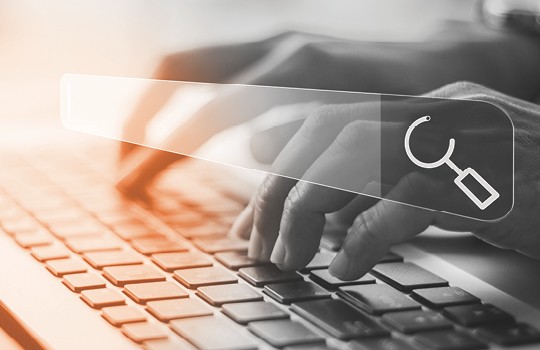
<point>454,156</point>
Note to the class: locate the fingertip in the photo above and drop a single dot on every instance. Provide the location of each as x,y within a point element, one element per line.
<point>255,245</point>
<point>241,227</point>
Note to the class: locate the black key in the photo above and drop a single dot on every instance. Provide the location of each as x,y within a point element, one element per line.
<point>381,344</point>
<point>320,261</point>
<point>244,313</point>
<point>204,276</point>
<point>339,319</point>
<point>309,347</point>
<point>291,292</point>
<point>444,296</point>
<point>261,275</point>
<point>416,321</point>
<point>210,332</point>
<point>325,279</point>
<point>236,260</point>
<point>377,298</point>
<point>510,334</point>
<point>448,340</point>
<point>228,293</point>
<point>280,333</point>
<point>407,276</point>
<point>477,315</point>
<point>391,257</point>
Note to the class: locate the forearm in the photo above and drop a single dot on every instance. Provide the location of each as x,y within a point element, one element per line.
<point>502,61</point>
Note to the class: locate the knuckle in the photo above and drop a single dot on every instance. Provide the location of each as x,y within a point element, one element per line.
<point>264,193</point>
<point>293,202</point>
<point>363,232</point>
<point>321,118</point>
<point>354,133</point>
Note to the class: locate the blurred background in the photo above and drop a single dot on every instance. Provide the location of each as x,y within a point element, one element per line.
<point>42,39</point>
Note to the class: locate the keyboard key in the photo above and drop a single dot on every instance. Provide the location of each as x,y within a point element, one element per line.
<point>168,344</point>
<point>391,257</point>
<point>377,298</point>
<point>118,217</point>
<point>236,260</point>
<point>139,332</point>
<point>320,261</point>
<point>291,292</point>
<point>176,261</point>
<point>381,344</point>
<point>119,315</point>
<point>325,279</point>
<point>510,334</point>
<point>213,333</point>
<point>444,296</point>
<point>261,275</point>
<point>339,319</point>
<point>78,229</point>
<point>122,275</point>
<point>92,244</point>
<point>206,230</point>
<point>81,281</point>
<point>280,333</point>
<point>150,246</point>
<point>407,276</point>
<point>99,260</point>
<point>130,231</point>
<point>442,340</point>
<point>477,315</point>
<point>244,313</point>
<point>333,237</point>
<point>204,276</point>
<point>166,310</point>
<point>228,293</point>
<point>416,321</point>
<point>33,239</point>
<point>183,218</point>
<point>145,292</point>
<point>21,226</point>
<point>98,298</point>
<point>61,267</point>
<point>212,246</point>
<point>50,252</point>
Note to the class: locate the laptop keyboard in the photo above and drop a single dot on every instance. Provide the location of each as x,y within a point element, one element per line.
<point>169,277</point>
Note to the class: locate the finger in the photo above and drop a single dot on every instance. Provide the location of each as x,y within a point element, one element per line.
<point>242,225</point>
<point>142,169</point>
<point>356,156</point>
<point>303,221</point>
<point>316,134</point>
<point>346,216</point>
<point>267,144</point>
<point>146,108</point>
<point>386,223</point>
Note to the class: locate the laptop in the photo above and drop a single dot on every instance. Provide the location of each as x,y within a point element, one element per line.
<point>84,268</point>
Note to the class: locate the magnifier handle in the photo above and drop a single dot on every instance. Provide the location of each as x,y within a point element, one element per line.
<point>493,194</point>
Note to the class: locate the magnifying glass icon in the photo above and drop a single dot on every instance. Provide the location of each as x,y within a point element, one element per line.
<point>462,174</point>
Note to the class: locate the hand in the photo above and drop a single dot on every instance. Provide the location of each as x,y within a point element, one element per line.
<point>285,218</point>
<point>282,60</point>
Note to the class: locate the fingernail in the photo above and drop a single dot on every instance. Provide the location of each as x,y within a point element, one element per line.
<point>255,244</point>
<point>340,266</point>
<point>278,253</point>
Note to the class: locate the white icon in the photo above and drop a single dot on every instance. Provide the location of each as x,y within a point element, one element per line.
<point>446,160</point>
